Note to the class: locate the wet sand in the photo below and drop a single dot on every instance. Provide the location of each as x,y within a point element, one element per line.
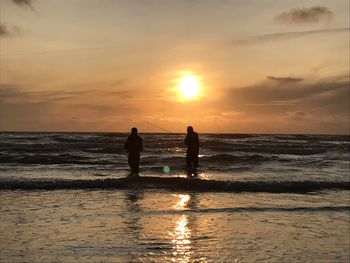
<point>136,225</point>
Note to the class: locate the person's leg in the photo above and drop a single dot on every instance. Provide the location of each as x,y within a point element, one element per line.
<point>188,159</point>
<point>137,163</point>
<point>130,162</point>
<point>195,160</point>
<point>133,163</point>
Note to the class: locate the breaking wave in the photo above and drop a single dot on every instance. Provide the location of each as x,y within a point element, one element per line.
<point>75,158</point>
<point>229,158</point>
<point>52,159</point>
<point>191,184</point>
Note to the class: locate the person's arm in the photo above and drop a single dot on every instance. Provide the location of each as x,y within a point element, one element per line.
<point>126,145</point>
<point>186,140</point>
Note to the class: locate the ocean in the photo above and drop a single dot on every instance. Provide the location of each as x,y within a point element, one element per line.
<point>68,197</point>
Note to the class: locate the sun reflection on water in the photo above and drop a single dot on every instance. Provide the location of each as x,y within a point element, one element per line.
<point>182,233</point>
<point>182,203</point>
<point>181,240</point>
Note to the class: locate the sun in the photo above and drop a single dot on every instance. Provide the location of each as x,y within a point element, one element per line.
<point>189,87</point>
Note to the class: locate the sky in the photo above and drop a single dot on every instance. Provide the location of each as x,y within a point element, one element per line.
<point>263,66</point>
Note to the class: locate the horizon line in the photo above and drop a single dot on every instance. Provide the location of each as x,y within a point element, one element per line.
<point>150,132</point>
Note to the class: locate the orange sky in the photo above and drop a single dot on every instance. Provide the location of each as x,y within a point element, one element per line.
<point>264,66</point>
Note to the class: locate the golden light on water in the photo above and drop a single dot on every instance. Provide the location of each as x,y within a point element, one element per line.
<point>189,86</point>
<point>182,203</point>
<point>182,233</point>
<point>181,240</point>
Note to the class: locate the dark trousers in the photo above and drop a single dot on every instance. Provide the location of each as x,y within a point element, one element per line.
<point>134,161</point>
<point>192,158</point>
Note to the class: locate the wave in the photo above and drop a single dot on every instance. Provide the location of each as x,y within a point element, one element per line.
<point>93,157</point>
<point>113,143</point>
<point>106,150</point>
<point>167,158</point>
<point>232,135</point>
<point>112,148</point>
<point>191,184</point>
<point>271,149</point>
<point>342,208</point>
<point>229,158</point>
<point>53,159</point>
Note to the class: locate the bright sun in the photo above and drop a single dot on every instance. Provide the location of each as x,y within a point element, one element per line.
<point>189,87</point>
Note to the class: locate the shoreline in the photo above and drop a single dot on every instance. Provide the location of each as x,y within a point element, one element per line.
<point>177,183</point>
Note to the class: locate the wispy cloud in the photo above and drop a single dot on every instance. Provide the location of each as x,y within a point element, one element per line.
<point>23,107</point>
<point>17,93</point>
<point>284,79</point>
<point>298,116</point>
<point>4,31</point>
<point>305,15</point>
<point>11,31</point>
<point>286,35</point>
<point>24,3</point>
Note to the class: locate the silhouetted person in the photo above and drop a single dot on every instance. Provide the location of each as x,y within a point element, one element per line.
<point>133,145</point>
<point>192,143</point>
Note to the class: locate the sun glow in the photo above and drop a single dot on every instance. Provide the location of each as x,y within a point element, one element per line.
<point>189,87</point>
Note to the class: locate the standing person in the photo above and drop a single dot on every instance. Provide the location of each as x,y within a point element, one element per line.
<point>192,143</point>
<point>133,145</point>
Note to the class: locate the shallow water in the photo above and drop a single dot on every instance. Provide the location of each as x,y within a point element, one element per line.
<point>170,226</point>
<point>154,219</point>
<point>244,157</point>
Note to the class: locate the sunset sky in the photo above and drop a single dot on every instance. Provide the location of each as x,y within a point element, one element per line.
<point>260,66</point>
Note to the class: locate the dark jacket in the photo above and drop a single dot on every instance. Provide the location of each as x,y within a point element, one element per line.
<point>133,144</point>
<point>192,142</point>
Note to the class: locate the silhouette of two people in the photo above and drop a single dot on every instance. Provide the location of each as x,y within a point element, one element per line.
<point>133,146</point>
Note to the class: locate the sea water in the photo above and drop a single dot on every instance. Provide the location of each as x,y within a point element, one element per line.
<point>141,223</point>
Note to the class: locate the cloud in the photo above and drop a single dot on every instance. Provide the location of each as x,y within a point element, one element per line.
<point>285,79</point>
<point>11,31</point>
<point>286,35</point>
<point>4,32</point>
<point>297,116</point>
<point>123,93</point>
<point>275,104</point>
<point>10,92</point>
<point>288,94</point>
<point>291,105</point>
<point>305,15</point>
<point>22,108</point>
<point>24,3</point>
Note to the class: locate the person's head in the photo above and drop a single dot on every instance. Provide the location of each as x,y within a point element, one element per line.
<point>189,129</point>
<point>134,130</point>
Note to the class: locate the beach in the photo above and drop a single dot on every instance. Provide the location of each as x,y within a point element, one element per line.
<point>185,131</point>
